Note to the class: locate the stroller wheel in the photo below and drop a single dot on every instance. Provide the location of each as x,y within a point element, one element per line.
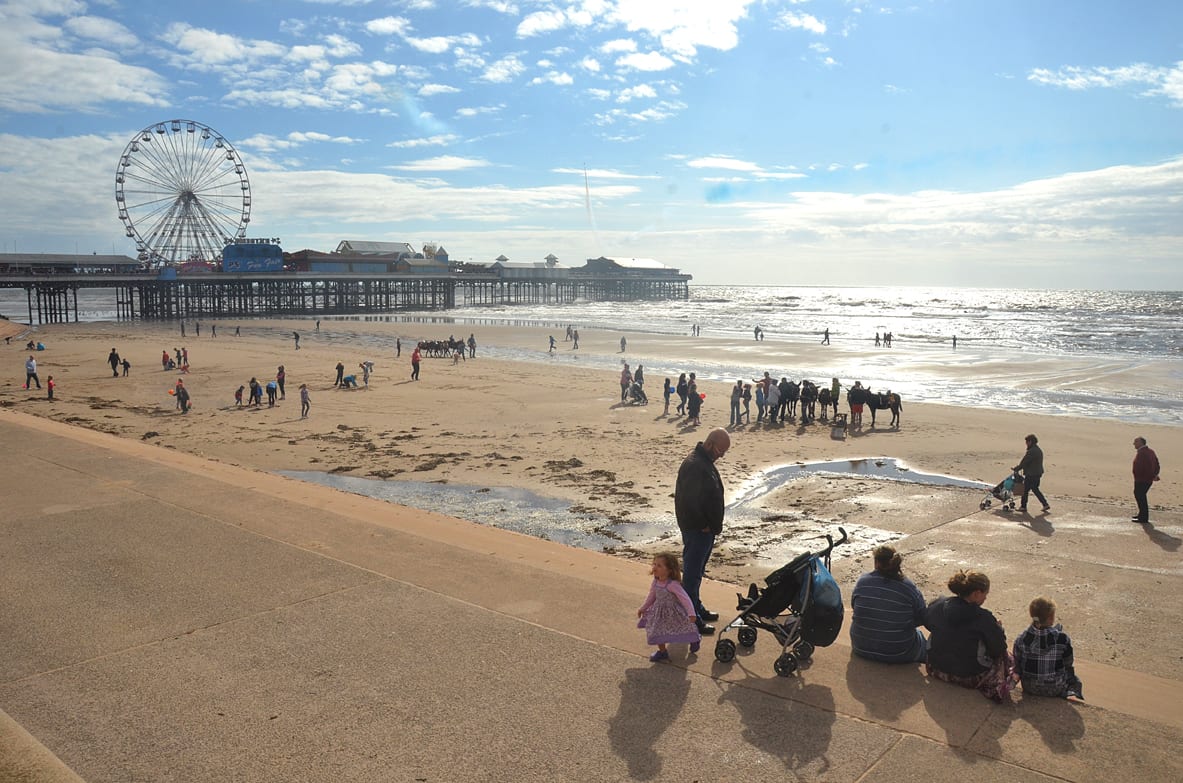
<point>786,664</point>
<point>724,651</point>
<point>985,504</point>
<point>804,650</point>
<point>747,637</point>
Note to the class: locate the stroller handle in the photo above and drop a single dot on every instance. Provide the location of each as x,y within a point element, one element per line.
<point>831,543</point>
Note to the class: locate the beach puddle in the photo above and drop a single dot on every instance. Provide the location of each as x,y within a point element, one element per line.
<point>762,528</point>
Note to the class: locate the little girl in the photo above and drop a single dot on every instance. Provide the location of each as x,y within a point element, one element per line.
<point>667,391</point>
<point>668,614</point>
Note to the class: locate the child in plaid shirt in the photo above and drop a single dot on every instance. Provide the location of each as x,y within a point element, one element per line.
<point>1043,655</point>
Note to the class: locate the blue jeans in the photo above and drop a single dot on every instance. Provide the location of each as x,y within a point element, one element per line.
<point>735,414</point>
<point>696,551</point>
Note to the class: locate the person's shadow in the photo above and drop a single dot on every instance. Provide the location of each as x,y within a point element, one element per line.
<point>1058,721</point>
<point>1164,540</point>
<point>1039,525</point>
<point>885,689</point>
<point>635,728</point>
<point>794,723</point>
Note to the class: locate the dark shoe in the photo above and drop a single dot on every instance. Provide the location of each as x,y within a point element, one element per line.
<point>1047,508</point>
<point>709,616</point>
<point>660,655</point>
<point>695,646</point>
<point>705,629</point>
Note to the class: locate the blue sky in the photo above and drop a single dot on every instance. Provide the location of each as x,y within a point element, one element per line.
<point>948,142</point>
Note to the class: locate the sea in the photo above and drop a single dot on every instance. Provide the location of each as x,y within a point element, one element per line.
<point>1105,354</point>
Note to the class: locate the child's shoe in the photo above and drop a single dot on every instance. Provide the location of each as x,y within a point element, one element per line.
<point>695,646</point>
<point>660,655</point>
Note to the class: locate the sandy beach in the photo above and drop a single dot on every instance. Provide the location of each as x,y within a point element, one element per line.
<point>558,429</point>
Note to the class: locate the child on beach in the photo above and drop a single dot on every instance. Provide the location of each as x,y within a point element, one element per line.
<point>693,404</point>
<point>238,397</point>
<point>668,614</point>
<point>666,391</point>
<point>50,384</point>
<point>747,403</point>
<point>1043,655</point>
<point>305,401</point>
<point>272,393</point>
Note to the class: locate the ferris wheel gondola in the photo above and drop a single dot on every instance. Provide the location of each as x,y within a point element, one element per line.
<point>182,192</point>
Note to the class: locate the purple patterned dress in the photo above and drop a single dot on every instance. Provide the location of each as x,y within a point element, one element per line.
<point>668,615</point>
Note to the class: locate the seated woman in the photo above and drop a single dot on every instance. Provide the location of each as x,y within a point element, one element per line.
<point>887,609</point>
<point>967,645</point>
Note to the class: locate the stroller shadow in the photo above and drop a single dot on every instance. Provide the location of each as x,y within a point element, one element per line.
<point>793,721</point>
<point>1039,525</point>
<point>635,728</point>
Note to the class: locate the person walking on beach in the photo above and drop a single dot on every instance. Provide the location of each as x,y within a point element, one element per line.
<point>626,379</point>
<point>698,505</point>
<point>340,373</point>
<point>50,385</point>
<point>667,391</point>
<point>683,392</point>
<point>305,401</point>
<point>415,357</point>
<point>826,336</point>
<point>182,396</point>
<point>551,349</point>
<point>1146,470</point>
<point>954,342</point>
<point>667,615</point>
<point>113,360</point>
<point>280,377</point>
<point>296,335</point>
<point>182,330</point>
<point>213,330</point>
<point>126,366</point>
<point>238,396</point>
<point>254,390</point>
<point>471,346</point>
<point>736,399</point>
<point>398,347</point>
<point>237,331</point>
<point>318,324</point>
<point>567,339</point>
<point>197,328</point>
<point>184,357</point>
<point>1032,467</point>
<point>693,405</point>
<point>623,344</point>
<point>366,368</point>
<point>575,337</point>
<point>639,376</point>
<point>31,373</point>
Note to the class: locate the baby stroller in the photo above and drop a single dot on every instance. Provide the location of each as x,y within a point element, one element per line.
<point>636,394</point>
<point>814,602</point>
<point>1006,491</point>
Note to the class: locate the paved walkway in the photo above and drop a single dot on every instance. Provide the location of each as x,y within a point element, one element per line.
<point>167,618</point>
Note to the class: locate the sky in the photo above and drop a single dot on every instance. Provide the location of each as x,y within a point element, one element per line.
<point>1006,143</point>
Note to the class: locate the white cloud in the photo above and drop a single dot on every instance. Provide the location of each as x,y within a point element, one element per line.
<point>440,140</point>
<point>1157,80</point>
<point>559,78</point>
<point>632,93</point>
<point>604,174</point>
<point>388,25</point>
<point>442,163</point>
<point>722,162</point>
<point>599,94</point>
<point>541,22</point>
<point>504,70</point>
<point>97,28</point>
<point>196,47</point>
<point>590,64</point>
<point>682,26</point>
<point>474,111</point>
<point>618,45</point>
<point>649,61</point>
<point>806,22</point>
<point>428,90</point>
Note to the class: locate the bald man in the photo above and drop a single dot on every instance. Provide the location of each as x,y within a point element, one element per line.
<point>698,504</point>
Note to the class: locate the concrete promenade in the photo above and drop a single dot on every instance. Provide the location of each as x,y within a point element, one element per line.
<point>168,618</point>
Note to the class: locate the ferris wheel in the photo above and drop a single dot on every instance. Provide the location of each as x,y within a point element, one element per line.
<point>182,192</point>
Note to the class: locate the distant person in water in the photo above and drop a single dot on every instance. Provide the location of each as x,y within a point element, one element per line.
<point>826,336</point>
<point>623,344</point>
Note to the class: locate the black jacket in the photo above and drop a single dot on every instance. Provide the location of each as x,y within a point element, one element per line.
<point>958,628</point>
<point>698,495</point>
<point>1032,462</point>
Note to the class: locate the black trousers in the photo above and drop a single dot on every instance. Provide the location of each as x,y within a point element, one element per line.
<point>1140,490</point>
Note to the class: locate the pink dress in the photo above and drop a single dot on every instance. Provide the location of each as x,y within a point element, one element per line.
<point>668,615</point>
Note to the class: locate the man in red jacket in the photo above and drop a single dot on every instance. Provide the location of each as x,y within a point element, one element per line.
<point>1145,474</point>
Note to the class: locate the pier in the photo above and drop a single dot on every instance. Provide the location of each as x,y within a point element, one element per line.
<point>53,298</point>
